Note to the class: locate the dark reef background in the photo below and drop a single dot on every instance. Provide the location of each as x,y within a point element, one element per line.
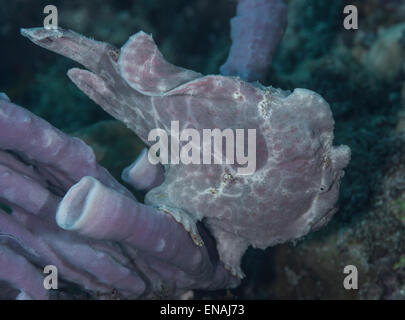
<point>361,73</point>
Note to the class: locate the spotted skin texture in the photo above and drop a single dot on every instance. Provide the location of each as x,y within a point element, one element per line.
<point>298,170</point>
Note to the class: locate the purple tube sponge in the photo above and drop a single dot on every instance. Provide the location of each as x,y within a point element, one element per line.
<point>143,175</point>
<point>99,212</point>
<point>255,31</point>
<point>79,219</point>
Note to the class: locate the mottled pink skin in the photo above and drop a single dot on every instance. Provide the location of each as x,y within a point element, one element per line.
<point>256,32</point>
<point>295,187</point>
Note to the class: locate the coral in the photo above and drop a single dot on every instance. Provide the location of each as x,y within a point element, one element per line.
<point>387,54</point>
<point>295,158</point>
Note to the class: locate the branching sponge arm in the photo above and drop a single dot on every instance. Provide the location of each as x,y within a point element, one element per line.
<point>255,31</point>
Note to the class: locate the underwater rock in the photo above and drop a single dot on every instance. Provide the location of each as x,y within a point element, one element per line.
<point>386,56</point>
